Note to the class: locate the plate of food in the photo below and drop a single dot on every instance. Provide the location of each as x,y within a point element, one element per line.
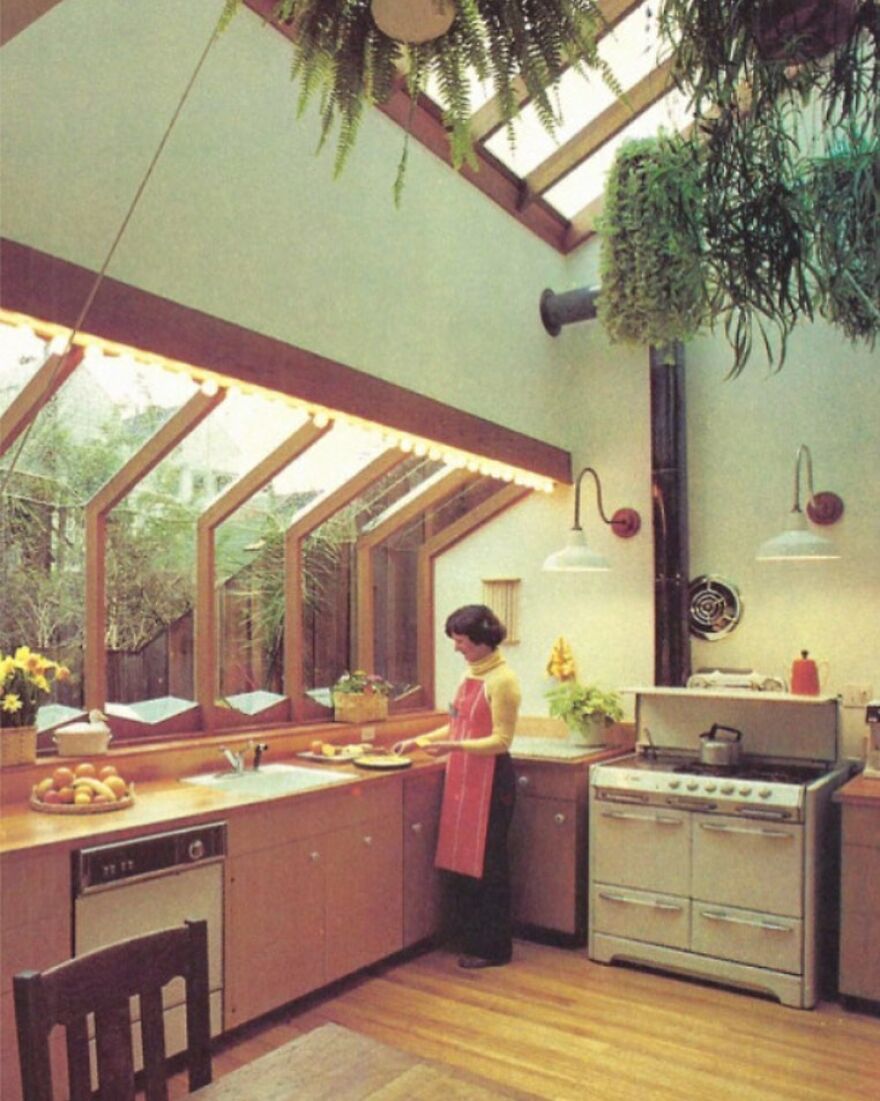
<point>330,754</point>
<point>382,761</point>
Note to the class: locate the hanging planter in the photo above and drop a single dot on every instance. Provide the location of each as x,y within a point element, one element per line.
<point>845,208</point>
<point>802,30</point>
<point>349,54</point>
<point>650,261</point>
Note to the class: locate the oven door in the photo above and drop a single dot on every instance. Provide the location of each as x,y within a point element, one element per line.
<point>748,863</point>
<point>643,847</point>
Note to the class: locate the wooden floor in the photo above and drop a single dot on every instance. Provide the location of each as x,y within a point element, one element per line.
<point>558,1026</point>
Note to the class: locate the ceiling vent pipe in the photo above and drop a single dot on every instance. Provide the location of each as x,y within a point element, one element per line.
<point>562,309</point>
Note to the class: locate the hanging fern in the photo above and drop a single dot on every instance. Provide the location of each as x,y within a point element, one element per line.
<point>343,59</point>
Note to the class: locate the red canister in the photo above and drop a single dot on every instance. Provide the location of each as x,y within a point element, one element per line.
<point>804,676</point>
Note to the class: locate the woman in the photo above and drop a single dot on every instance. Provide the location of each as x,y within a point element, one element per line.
<point>479,790</point>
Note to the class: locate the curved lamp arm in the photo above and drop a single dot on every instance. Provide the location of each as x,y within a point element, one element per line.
<point>822,508</point>
<point>625,522</point>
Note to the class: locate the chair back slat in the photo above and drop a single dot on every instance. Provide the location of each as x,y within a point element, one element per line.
<point>153,1036</point>
<point>113,1051</point>
<point>79,1074</point>
<point>102,983</point>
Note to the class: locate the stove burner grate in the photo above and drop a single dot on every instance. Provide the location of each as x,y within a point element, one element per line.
<point>755,770</point>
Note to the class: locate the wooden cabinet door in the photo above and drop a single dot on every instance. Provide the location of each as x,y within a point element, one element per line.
<point>422,893</point>
<point>545,870</point>
<point>274,928</point>
<point>364,900</point>
<point>35,934</point>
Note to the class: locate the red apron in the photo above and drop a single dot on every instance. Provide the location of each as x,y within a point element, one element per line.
<point>464,816</point>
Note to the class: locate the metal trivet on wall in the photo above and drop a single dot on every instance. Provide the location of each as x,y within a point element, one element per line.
<point>714,607</point>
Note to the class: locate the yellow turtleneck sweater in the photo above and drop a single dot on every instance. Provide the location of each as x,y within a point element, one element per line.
<point>502,691</point>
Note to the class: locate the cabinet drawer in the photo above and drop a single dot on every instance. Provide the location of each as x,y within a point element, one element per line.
<point>640,915</point>
<point>747,937</point>
<point>549,781</point>
<point>748,864</point>
<point>861,826</point>
<point>643,847</point>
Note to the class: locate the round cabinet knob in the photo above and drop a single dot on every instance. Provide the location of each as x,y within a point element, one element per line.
<point>559,819</point>
<point>367,839</point>
<point>416,827</point>
<point>314,857</point>
<point>523,781</point>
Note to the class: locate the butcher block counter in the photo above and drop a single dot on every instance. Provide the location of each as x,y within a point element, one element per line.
<point>860,889</point>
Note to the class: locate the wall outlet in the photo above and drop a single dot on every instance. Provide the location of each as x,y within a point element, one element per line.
<point>857,695</point>
<point>368,734</point>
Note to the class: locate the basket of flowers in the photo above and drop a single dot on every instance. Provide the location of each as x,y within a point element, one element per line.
<point>25,677</point>
<point>360,697</point>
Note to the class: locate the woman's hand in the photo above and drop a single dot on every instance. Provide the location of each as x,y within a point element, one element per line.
<point>436,749</point>
<point>403,746</point>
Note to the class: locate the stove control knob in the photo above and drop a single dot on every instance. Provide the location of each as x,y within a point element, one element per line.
<point>674,784</point>
<point>765,793</point>
<point>692,785</point>
<point>745,790</point>
<point>726,789</point>
<point>710,786</point>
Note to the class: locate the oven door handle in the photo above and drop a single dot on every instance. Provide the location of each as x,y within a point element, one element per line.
<point>776,835</point>
<point>653,904</point>
<point>770,926</point>
<point>660,819</point>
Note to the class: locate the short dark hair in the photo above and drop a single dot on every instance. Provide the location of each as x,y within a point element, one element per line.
<point>478,623</point>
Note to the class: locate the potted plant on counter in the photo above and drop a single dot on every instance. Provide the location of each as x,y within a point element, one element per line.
<point>360,697</point>
<point>586,710</point>
<point>25,676</point>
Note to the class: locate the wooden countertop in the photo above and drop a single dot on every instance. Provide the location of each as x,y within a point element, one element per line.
<point>863,791</point>
<point>161,801</point>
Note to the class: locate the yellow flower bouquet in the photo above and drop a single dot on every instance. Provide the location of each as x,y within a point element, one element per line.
<point>25,676</point>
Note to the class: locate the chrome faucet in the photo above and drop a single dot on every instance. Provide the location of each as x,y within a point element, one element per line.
<point>235,759</point>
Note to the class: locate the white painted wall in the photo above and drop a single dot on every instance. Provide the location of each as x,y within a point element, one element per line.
<point>241,219</point>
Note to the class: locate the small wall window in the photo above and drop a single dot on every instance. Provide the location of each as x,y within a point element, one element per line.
<point>501,594</point>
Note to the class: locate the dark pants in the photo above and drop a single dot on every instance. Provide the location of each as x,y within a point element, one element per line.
<point>479,909</point>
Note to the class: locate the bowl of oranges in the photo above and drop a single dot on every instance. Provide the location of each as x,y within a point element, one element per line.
<point>83,789</point>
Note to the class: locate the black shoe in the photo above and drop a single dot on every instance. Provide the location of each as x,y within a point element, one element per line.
<point>472,963</point>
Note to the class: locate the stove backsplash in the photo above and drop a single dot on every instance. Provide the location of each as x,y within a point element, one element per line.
<point>773,724</point>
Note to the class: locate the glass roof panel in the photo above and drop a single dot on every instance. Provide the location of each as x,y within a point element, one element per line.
<point>630,50</point>
<point>586,183</point>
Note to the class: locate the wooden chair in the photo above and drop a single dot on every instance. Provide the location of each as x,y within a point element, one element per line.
<point>101,983</point>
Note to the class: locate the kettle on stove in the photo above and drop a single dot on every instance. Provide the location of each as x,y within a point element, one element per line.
<point>804,676</point>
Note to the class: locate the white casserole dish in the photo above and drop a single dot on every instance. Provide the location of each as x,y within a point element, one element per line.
<point>82,739</point>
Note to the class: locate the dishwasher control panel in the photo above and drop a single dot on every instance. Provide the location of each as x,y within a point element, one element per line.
<point>141,857</point>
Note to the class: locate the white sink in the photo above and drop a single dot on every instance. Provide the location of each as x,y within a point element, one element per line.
<point>268,780</point>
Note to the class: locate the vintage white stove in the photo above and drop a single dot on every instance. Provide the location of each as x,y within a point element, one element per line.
<point>726,873</point>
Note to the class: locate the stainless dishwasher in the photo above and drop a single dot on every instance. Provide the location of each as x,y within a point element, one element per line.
<point>133,887</point>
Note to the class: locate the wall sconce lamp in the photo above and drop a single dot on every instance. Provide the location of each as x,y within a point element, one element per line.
<point>576,556</point>
<point>797,542</point>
